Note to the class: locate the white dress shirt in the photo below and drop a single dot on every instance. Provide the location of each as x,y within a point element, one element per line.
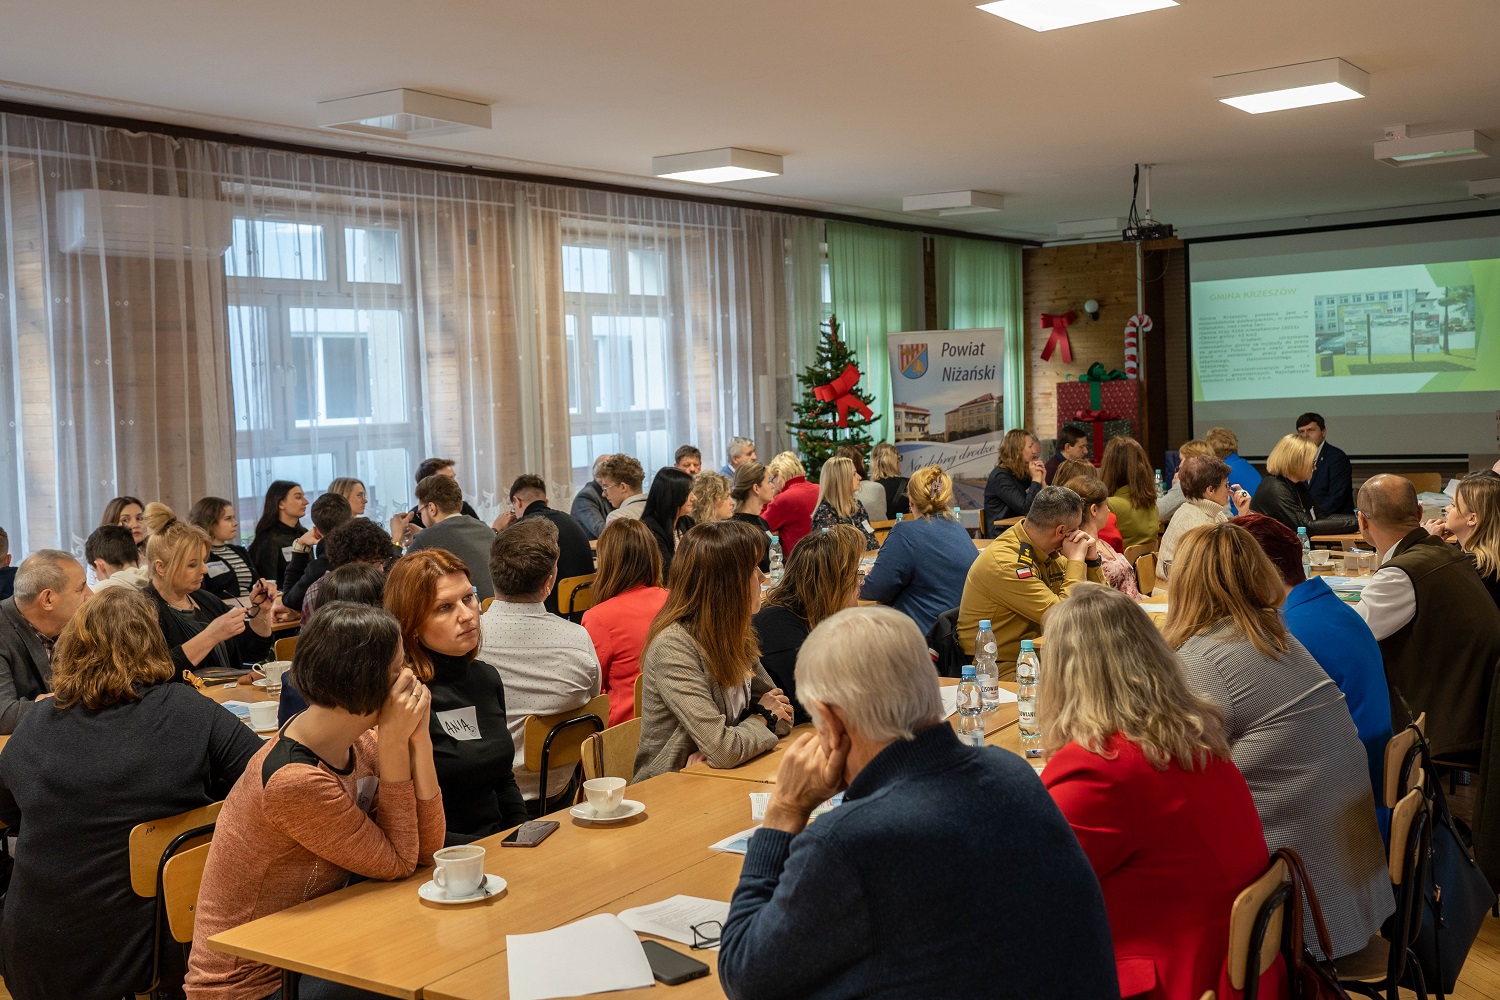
<point>547,664</point>
<point>1389,600</point>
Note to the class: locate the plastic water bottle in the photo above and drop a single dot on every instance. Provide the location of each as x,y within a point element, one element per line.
<point>900,517</point>
<point>986,670</point>
<point>1028,672</point>
<point>1159,490</point>
<point>1306,552</point>
<point>970,717</point>
<point>776,560</point>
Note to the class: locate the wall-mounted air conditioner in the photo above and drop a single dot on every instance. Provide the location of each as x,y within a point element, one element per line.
<point>90,220</point>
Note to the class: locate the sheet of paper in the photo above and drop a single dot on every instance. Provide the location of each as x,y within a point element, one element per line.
<point>1154,609</point>
<point>735,843</point>
<point>1353,583</point>
<point>546,965</point>
<point>950,700</point>
<point>1005,697</point>
<point>674,918</point>
<point>239,708</point>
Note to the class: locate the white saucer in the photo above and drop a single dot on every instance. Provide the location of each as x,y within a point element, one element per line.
<point>628,808</point>
<point>434,893</point>
<point>261,682</point>
<point>265,732</point>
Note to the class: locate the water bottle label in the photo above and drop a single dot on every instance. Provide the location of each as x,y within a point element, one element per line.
<point>1026,713</point>
<point>989,648</point>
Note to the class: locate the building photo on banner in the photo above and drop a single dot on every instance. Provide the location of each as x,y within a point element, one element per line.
<point>947,404</point>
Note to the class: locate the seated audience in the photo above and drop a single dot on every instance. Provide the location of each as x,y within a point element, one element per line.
<point>1072,446</point>
<point>872,900</point>
<point>1332,482</point>
<point>127,512</point>
<point>352,490</point>
<point>1205,485</point>
<point>528,498</point>
<point>711,499</point>
<point>112,554</point>
<point>590,505</point>
<point>753,488</point>
<point>741,450</point>
<point>668,503</point>
<point>1289,731</point>
<point>202,631</point>
<point>329,797</point>
<point>1168,502</point>
<point>706,696</point>
<point>439,467</point>
<point>229,571</point>
<point>1069,471</point>
<point>279,526</point>
<point>355,583</point>
<point>1131,482</point>
<point>621,479</point>
<point>628,593</point>
<point>439,505</point>
<point>1016,479</point>
<point>869,493</point>
<point>50,587</point>
<point>431,596</point>
<point>923,562</point>
<point>1472,521</point>
<point>885,469</point>
<point>822,579</point>
<point>1141,770</point>
<point>1226,446</point>
<point>688,459</point>
<point>547,663</point>
<point>309,561</point>
<point>1421,590</point>
<point>360,542</point>
<point>837,503</point>
<point>7,571</point>
<point>1338,638</point>
<point>1118,572</point>
<point>1023,573</point>
<point>115,746</point>
<point>789,515</point>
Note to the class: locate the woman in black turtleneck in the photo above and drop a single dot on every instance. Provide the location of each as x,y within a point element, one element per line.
<point>432,597</point>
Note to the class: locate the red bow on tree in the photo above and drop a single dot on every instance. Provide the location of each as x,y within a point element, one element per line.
<point>1058,323</point>
<point>837,393</point>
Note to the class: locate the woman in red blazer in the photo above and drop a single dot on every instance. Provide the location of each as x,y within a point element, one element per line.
<point>1141,770</point>
<point>627,595</point>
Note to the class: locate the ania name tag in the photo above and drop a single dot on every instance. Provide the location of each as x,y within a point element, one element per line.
<point>460,723</point>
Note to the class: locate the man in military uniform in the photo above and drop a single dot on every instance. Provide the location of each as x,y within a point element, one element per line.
<point>1025,571</point>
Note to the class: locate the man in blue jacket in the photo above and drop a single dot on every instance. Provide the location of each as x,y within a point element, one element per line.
<point>1332,485</point>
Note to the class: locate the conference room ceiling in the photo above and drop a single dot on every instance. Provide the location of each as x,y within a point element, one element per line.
<point>867,101</point>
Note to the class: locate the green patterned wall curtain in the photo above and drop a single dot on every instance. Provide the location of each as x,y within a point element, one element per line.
<point>979,287</point>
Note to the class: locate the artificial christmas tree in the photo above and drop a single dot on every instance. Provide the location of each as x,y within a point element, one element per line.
<point>833,410</point>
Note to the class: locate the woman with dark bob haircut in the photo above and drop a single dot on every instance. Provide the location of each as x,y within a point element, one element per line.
<point>325,798</point>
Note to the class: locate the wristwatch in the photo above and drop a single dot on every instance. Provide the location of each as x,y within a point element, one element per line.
<point>1093,562</point>
<point>300,546</point>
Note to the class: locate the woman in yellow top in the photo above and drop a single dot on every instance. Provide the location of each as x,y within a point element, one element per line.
<point>1127,475</point>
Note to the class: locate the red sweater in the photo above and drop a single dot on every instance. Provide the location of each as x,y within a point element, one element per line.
<point>618,628</point>
<point>790,513</point>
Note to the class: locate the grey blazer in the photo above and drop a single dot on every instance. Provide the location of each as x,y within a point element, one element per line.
<point>685,710</point>
<point>25,667</point>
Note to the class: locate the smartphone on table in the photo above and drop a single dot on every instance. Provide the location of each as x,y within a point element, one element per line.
<point>530,833</point>
<point>670,966</point>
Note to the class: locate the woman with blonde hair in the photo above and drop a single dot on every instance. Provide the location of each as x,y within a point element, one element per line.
<point>870,493</point>
<point>926,557</point>
<point>202,631</point>
<point>1141,770</point>
<point>789,515</point>
<point>837,503</point>
<point>352,490</point>
<point>711,499</point>
<point>1283,493</point>
<point>115,746</point>
<point>1018,476</point>
<point>822,578</point>
<point>885,469</point>
<point>1097,519</point>
<point>628,594</point>
<point>1168,502</point>
<point>706,695</point>
<point>1288,728</point>
<point>1472,520</point>
<point>1128,476</point>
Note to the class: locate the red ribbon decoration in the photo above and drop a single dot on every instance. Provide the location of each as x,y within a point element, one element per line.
<point>1058,324</point>
<point>1096,418</point>
<point>837,393</point>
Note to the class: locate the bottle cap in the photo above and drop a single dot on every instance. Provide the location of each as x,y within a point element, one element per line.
<point>968,672</point>
<point>1027,646</point>
<point>984,624</point>
<point>1301,531</point>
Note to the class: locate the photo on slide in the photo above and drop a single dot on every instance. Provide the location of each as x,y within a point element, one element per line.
<point>1395,331</point>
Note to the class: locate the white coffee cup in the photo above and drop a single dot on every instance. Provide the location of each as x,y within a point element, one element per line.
<point>274,672</point>
<point>605,795</point>
<point>1319,557</point>
<point>460,870</point>
<point>263,715</point>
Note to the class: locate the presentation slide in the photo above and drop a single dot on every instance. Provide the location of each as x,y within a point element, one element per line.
<point>1392,335</point>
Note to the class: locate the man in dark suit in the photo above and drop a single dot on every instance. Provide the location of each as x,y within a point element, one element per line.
<point>528,497</point>
<point>1332,485</point>
<point>50,586</point>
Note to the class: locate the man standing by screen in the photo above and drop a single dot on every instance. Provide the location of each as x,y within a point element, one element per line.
<point>1332,485</point>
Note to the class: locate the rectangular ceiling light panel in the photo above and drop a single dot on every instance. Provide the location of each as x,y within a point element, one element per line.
<point>1045,15</point>
<point>953,203</point>
<point>402,114</point>
<point>1444,147</point>
<point>1298,86</point>
<point>717,166</point>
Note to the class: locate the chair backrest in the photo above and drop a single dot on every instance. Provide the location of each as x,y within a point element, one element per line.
<point>942,641</point>
<point>575,594</point>
<point>1424,482</point>
<point>1403,769</point>
<point>1255,925</point>
<point>611,754</point>
<point>640,686</point>
<point>1134,552</point>
<point>484,605</point>
<point>149,840</point>
<point>179,886</point>
<point>284,648</point>
<point>550,741</point>
<point>882,528</point>
<point>1145,573</point>
<point>1411,843</point>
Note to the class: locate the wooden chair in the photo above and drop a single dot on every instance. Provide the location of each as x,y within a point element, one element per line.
<point>575,595</point>
<point>1402,771</point>
<point>484,605</point>
<point>152,846</point>
<point>180,880</point>
<point>1376,969</point>
<point>1255,928</point>
<point>284,648</point>
<point>1424,482</point>
<point>611,754</point>
<point>882,528</point>
<point>640,685</point>
<point>1145,573</point>
<point>550,741</point>
<point>1134,552</point>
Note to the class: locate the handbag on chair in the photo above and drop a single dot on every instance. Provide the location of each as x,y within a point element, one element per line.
<point>1458,897</point>
<point>1310,980</point>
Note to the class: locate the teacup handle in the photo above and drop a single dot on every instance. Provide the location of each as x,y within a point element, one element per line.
<point>438,877</point>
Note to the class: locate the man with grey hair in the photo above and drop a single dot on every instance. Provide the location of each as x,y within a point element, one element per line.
<point>1029,568</point>
<point>741,450</point>
<point>880,898</point>
<point>50,586</point>
<point>590,505</point>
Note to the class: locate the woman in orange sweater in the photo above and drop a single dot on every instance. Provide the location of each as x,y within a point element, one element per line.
<point>628,593</point>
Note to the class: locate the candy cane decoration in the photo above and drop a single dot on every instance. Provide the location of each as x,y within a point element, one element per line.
<point>1134,327</point>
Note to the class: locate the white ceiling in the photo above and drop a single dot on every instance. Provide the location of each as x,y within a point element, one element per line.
<point>868,101</point>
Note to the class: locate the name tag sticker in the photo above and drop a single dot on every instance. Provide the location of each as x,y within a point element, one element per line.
<point>216,569</point>
<point>364,793</point>
<point>288,552</point>
<point>460,723</point>
<point>869,528</point>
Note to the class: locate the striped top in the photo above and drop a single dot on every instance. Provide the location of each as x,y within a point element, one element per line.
<point>243,574</point>
<point>1291,735</point>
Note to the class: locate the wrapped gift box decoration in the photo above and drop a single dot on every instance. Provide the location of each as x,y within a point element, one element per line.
<point>1120,398</point>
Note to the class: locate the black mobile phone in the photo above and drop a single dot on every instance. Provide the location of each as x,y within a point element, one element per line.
<point>670,966</point>
<point>530,833</point>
